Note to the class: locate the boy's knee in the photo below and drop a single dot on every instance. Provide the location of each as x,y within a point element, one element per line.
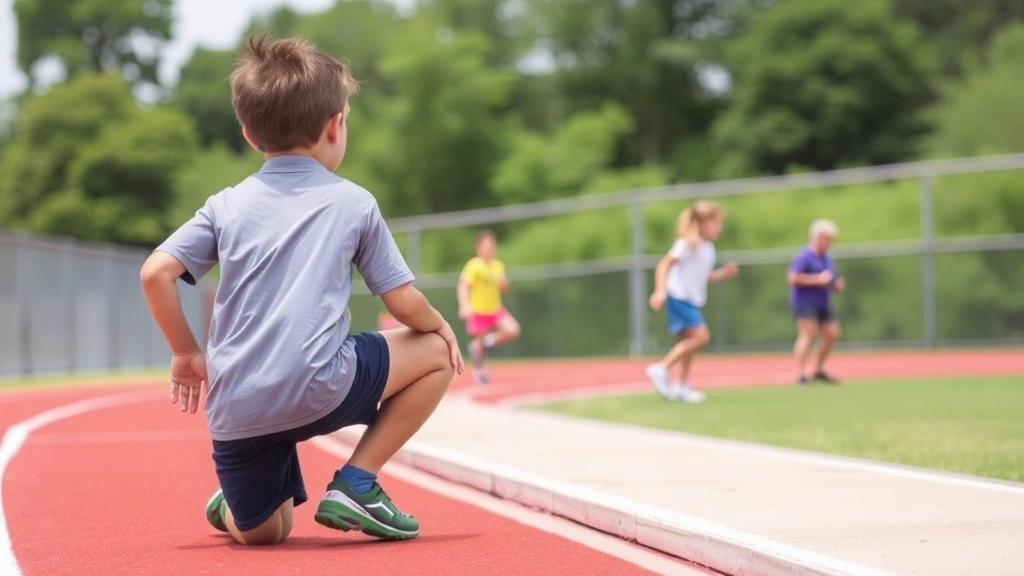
<point>268,534</point>
<point>439,354</point>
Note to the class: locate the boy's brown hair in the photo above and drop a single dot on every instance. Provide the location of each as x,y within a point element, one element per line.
<point>284,91</point>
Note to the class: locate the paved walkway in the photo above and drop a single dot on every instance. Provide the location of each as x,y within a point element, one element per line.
<point>738,508</point>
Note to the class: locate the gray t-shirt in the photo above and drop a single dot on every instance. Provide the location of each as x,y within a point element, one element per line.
<point>286,239</point>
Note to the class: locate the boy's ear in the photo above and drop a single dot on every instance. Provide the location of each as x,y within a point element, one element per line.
<point>333,127</point>
<point>248,139</point>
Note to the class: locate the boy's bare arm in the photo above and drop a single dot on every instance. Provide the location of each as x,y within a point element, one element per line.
<point>410,307</point>
<point>159,278</point>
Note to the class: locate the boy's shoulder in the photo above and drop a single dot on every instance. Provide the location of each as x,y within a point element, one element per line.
<point>264,180</point>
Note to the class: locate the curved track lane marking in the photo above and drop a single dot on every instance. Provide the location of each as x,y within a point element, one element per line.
<point>14,439</point>
<point>17,434</point>
<point>635,554</point>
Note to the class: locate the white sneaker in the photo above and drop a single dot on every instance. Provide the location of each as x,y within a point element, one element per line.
<point>659,377</point>
<point>686,394</point>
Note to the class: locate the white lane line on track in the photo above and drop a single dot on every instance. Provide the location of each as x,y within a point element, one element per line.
<point>579,534</point>
<point>17,434</point>
<point>121,436</point>
<point>623,388</point>
<point>14,439</point>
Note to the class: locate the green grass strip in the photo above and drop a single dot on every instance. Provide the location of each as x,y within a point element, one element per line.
<point>966,425</point>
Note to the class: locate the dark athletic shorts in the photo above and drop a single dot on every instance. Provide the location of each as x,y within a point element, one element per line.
<point>259,474</point>
<point>811,312</point>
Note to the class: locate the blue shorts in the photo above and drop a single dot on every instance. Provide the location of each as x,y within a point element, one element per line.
<point>260,474</point>
<point>682,315</point>
<point>822,314</point>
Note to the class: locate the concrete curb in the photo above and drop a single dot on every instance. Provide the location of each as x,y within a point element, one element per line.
<point>695,539</point>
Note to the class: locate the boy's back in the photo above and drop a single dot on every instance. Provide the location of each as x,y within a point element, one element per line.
<point>286,239</point>
<point>282,366</point>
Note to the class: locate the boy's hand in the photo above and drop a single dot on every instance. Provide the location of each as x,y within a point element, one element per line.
<point>188,376</point>
<point>465,311</point>
<point>731,269</point>
<point>657,300</point>
<point>454,354</point>
<point>825,277</point>
<point>839,285</point>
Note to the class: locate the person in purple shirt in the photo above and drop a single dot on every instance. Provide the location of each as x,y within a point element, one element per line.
<point>812,278</point>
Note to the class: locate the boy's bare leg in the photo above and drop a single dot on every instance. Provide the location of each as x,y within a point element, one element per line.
<point>506,330</point>
<point>420,372</point>
<point>274,531</point>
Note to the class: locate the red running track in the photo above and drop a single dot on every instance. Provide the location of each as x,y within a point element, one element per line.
<point>121,490</point>
<point>513,381</point>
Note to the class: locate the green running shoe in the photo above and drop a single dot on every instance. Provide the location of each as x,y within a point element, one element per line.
<point>215,511</point>
<point>371,513</point>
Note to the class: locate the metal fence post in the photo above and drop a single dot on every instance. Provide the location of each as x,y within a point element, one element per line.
<point>24,297</point>
<point>721,332</point>
<point>68,296</point>
<point>637,283</point>
<point>414,240</point>
<point>111,302</point>
<point>928,261</point>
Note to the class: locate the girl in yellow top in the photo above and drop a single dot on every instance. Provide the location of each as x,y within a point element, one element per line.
<point>481,284</point>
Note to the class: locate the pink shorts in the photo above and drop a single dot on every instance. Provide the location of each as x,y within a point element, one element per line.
<point>479,324</point>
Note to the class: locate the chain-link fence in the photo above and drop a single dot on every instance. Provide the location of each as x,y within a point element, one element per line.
<point>939,288</point>
<point>70,307</point>
<point>583,309</point>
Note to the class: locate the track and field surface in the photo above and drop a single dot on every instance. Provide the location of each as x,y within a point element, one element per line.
<point>120,488</point>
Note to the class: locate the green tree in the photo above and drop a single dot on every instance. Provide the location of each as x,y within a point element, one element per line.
<point>824,84</point>
<point>645,55</point>
<point>89,36</point>
<point>86,161</point>
<point>539,166</point>
<point>431,146</point>
<point>960,31</point>
<point>503,22</point>
<point>204,93</point>
<point>981,114</point>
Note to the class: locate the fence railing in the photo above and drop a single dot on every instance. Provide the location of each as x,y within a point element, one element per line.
<point>68,307</point>
<point>638,264</point>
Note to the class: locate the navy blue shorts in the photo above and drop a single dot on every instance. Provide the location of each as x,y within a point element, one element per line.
<point>682,315</point>
<point>813,312</point>
<point>259,474</point>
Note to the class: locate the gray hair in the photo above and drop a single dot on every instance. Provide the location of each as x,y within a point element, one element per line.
<point>823,227</point>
